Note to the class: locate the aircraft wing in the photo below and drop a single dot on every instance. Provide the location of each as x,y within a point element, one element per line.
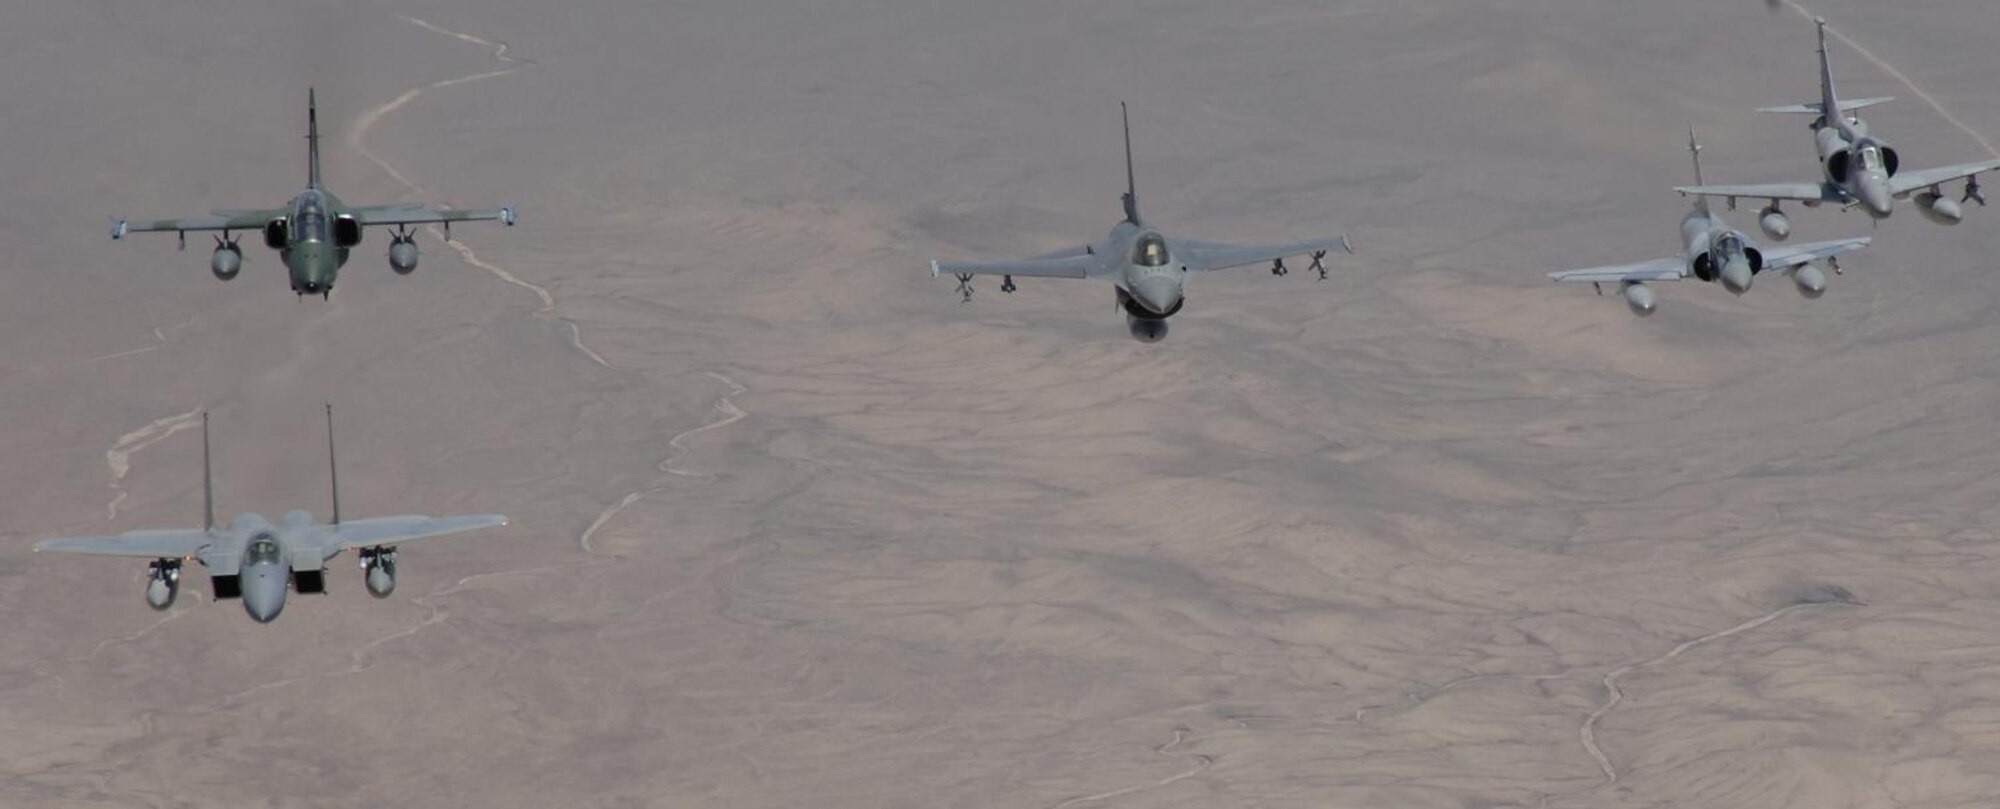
<point>1205,256</point>
<point>377,531</point>
<point>425,215</point>
<point>1816,108</point>
<point>1068,252</point>
<point>218,220</point>
<point>1909,181</point>
<point>170,544</point>
<point>1794,256</point>
<point>1663,269</point>
<point>1802,192</point>
<point>1078,266</point>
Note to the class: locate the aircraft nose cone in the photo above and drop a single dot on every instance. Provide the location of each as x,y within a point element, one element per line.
<point>1157,293</point>
<point>1736,275</point>
<point>263,611</point>
<point>263,594</point>
<point>1874,193</point>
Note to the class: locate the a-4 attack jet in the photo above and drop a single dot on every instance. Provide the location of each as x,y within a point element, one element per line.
<point>314,232</point>
<point>1148,268</point>
<point>1717,253</point>
<point>257,561</point>
<point>1861,169</point>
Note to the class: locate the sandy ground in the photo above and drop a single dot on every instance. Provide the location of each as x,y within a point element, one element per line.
<point>794,527</point>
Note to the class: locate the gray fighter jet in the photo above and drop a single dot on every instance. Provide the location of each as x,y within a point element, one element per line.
<point>1148,269</point>
<point>314,231</point>
<point>1715,252</point>
<point>1861,170</point>
<point>257,561</point>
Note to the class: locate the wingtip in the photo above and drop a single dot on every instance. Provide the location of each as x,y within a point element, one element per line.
<point>1346,244</point>
<point>934,268</point>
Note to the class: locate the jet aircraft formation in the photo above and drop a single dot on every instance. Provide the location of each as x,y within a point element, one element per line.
<point>1861,171</point>
<point>259,562</point>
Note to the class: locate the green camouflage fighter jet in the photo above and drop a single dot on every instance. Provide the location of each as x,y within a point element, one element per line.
<point>314,232</point>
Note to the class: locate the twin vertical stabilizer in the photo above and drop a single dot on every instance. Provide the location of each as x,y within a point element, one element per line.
<point>208,473</point>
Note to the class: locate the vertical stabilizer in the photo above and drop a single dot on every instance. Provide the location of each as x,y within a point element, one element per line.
<point>1694,151</point>
<point>1829,103</point>
<point>332,464</point>
<point>312,139</point>
<point>207,480</point>
<point>1131,182</point>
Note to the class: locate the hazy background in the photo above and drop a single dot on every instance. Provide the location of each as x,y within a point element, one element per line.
<point>792,526</point>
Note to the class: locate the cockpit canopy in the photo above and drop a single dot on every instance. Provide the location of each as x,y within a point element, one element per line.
<point>1728,245</point>
<point>1151,251</point>
<point>263,550</point>
<point>309,220</point>
<point>1871,158</point>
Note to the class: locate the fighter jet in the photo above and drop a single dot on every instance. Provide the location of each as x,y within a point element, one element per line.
<point>257,561</point>
<point>1717,253</point>
<point>314,232</point>
<point>1861,170</point>
<point>1148,269</point>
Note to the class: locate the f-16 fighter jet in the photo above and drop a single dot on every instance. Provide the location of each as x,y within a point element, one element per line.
<point>1148,268</point>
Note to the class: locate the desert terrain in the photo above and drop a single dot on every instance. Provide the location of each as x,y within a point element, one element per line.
<point>794,527</point>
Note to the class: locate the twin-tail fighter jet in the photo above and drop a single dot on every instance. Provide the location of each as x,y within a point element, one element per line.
<point>258,562</point>
<point>1861,170</point>
<point>1148,268</point>
<point>314,232</point>
<point>1715,252</point>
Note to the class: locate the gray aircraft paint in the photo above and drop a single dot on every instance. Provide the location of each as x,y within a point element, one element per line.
<point>314,232</point>
<point>1713,251</point>
<point>261,562</point>
<point>1148,269</point>
<point>1858,169</point>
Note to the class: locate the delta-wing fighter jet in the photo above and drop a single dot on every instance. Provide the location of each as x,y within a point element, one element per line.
<point>1717,253</point>
<point>314,232</point>
<point>1860,169</point>
<point>257,561</point>
<point>1148,268</point>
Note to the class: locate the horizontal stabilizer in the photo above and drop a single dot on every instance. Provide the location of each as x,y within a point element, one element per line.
<point>1815,108</point>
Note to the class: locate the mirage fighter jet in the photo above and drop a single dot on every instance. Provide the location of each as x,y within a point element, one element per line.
<point>1148,268</point>
<point>313,232</point>
<point>1715,252</point>
<point>258,562</point>
<point>1861,170</point>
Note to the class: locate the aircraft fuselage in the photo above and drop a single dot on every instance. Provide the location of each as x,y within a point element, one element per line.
<point>1719,253</point>
<point>313,240</point>
<point>1858,164</point>
<point>1150,281</point>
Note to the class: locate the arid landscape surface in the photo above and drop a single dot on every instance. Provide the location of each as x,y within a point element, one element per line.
<point>793,527</point>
